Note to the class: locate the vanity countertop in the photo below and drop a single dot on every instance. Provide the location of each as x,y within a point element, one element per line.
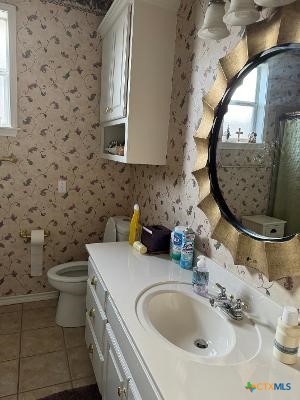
<point>127,274</point>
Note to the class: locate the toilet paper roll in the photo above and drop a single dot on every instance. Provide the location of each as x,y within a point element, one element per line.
<point>37,242</point>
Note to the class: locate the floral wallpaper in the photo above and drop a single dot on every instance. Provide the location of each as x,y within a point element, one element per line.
<point>58,62</point>
<point>58,88</point>
<point>97,7</point>
<point>169,195</point>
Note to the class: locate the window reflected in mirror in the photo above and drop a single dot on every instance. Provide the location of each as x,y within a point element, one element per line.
<point>258,151</point>
<point>244,120</point>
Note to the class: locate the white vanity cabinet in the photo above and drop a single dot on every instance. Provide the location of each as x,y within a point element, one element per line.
<point>118,369</point>
<point>138,43</point>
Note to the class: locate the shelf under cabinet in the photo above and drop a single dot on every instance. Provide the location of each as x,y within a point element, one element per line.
<point>110,133</point>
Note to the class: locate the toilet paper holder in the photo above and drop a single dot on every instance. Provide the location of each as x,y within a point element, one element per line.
<point>24,234</point>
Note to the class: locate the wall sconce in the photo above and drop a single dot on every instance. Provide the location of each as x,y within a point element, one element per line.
<point>240,13</point>
<point>213,26</point>
<point>273,3</point>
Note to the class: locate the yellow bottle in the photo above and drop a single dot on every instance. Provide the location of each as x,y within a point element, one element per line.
<point>134,225</point>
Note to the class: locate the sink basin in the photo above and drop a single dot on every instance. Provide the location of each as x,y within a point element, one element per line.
<point>188,323</point>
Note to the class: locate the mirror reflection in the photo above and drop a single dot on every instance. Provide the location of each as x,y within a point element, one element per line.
<point>258,152</point>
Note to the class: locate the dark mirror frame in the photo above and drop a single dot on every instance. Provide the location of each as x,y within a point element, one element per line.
<point>214,138</point>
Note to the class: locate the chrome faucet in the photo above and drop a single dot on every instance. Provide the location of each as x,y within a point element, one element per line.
<point>233,308</point>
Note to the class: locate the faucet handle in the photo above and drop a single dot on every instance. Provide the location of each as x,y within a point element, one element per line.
<point>241,305</point>
<point>222,294</point>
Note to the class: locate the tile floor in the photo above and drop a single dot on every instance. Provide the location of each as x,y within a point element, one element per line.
<point>37,357</point>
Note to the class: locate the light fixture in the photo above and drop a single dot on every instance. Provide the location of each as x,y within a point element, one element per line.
<point>273,3</point>
<point>241,13</point>
<point>213,26</point>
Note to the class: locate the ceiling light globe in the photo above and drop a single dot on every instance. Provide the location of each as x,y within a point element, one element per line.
<point>241,13</point>
<point>213,26</point>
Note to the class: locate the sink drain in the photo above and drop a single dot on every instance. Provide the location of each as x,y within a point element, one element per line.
<point>201,343</point>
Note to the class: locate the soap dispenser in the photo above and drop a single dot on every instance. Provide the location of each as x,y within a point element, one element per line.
<point>201,277</point>
<point>287,338</point>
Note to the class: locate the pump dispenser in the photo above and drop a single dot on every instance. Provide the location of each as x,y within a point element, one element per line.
<point>201,277</point>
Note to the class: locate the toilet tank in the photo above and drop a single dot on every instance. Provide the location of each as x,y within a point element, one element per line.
<point>122,227</point>
<point>117,229</point>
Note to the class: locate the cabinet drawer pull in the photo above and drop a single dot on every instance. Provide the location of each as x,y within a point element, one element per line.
<point>94,281</point>
<point>91,349</point>
<point>92,313</point>
<point>121,392</point>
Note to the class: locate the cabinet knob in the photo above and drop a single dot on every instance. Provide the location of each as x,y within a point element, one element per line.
<point>92,313</point>
<point>94,281</point>
<point>107,110</point>
<point>121,391</point>
<point>91,349</point>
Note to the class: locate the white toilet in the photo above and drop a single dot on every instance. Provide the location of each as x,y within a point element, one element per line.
<point>70,278</point>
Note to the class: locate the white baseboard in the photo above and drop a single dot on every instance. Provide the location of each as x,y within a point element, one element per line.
<point>26,298</point>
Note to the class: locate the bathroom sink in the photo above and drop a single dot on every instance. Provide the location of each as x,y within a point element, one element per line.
<point>188,323</point>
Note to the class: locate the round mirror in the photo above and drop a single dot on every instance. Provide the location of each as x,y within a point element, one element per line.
<point>254,153</point>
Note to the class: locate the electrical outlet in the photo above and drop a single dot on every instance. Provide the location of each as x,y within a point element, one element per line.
<point>62,186</point>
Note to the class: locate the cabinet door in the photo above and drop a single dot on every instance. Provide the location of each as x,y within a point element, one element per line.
<point>114,74</point>
<point>133,393</point>
<point>114,381</point>
<point>106,73</point>
<point>115,378</point>
<point>95,354</point>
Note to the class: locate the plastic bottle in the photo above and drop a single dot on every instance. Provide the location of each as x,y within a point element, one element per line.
<point>134,225</point>
<point>171,244</point>
<point>140,247</point>
<point>187,250</point>
<point>177,243</point>
<point>287,338</point>
<point>201,277</point>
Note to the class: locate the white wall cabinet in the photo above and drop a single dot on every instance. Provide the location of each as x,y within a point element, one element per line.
<point>116,362</point>
<point>138,42</point>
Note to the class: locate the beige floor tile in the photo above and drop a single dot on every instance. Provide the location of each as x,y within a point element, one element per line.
<point>38,318</point>
<point>43,370</point>
<point>43,340</point>
<point>79,362</point>
<point>13,397</point>
<point>9,347</point>
<point>40,304</point>
<point>9,378</point>
<point>74,337</point>
<point>10,322</point>
<point>47,391</point>
<point>10,308</point>
<point>83,382</point>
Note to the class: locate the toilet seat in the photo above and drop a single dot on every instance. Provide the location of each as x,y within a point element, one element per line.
<point>72,272</point>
